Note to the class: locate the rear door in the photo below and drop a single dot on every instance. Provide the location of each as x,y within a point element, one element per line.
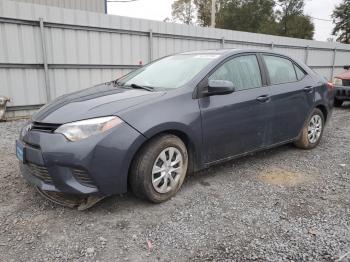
<point>292,96</point>
<point>235,123</point>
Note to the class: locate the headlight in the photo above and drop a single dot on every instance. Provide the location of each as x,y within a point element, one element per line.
<point>25,129</point>
<point>338,82</point>
<point>82,129</point>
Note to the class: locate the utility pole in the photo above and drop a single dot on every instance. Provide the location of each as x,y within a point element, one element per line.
<point>213,11</point>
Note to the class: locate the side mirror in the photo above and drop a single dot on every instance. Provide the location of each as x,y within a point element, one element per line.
<point>347,67</point>
<point>219,87</point>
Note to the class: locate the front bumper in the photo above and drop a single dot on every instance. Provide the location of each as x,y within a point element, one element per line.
<point>96,165</point>
<point>342,92</point>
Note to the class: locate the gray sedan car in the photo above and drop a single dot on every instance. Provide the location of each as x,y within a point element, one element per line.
<point>176,115</point>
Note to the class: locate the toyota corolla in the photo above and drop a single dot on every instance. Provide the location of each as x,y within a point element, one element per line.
<point>176,115</point>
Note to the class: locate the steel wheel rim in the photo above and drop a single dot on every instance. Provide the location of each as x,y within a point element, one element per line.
<point>314,129</point>
<point>167,170</point>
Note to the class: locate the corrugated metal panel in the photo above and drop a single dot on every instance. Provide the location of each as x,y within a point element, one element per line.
<point>320,58</point>
<point>20,44</point>
<point>342,58</point>
<point>85,48</point>
<point>88,47</point>
<point>24,86</point>
<point>87,5</point>
<point>63,81</point>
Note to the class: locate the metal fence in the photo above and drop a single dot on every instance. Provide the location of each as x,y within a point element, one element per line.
<point>47,51</point>
<point>99,6</point>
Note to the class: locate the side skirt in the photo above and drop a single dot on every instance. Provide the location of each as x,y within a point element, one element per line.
<point>206,165</point>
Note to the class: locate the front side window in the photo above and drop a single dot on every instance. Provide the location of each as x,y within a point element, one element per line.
<point>280,70</point>
<point>170,72</point>
<point>243,72</point>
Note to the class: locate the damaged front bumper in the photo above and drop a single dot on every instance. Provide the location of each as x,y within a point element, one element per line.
<point>97,166</point>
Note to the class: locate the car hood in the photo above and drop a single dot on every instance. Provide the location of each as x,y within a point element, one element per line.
<point>101,100</point>
<point>345,75</point>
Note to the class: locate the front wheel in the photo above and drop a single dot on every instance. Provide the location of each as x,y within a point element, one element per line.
<point>312,131</point>
<point>159,168</point>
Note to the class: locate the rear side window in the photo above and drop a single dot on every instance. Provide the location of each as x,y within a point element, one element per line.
<point>242,71</point>
<point>300,73</point>
<point>280,70</point>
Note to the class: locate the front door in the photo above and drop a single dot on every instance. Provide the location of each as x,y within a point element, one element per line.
<point>234,124</point>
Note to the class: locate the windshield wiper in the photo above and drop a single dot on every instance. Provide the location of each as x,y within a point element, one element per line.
<point>148,88</point>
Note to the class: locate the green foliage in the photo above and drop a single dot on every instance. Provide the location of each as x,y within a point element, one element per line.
<point>291,7</point>
<point>204,10</point>
<point>183,11</point>
<point>298,26</point>
<point>291,20</point>
<point>341,17</point>
<point>249,16</point>
<point>257,16</point>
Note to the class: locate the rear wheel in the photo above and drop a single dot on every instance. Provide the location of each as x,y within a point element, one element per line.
<point>311,133</point>
<point>338,103</point>
<point>159,168</point>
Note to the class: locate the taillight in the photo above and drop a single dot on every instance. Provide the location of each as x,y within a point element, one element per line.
<point>330,86</point>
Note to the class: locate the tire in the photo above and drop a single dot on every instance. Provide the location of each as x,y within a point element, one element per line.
<point>144,177</point>
<point>338,103</point>
<point>305,139</point>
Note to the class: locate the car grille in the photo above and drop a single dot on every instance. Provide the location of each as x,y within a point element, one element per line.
<point>346,82</point>
<point>342,92</point>
<point>39,172</point>
<point>83,178</point>
<point>44,127</point>
<point>42,173</point>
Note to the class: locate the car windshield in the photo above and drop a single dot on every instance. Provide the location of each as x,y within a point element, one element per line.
<point>169,73</point>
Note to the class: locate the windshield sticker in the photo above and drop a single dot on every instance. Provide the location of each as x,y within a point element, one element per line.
<point>207,56</point>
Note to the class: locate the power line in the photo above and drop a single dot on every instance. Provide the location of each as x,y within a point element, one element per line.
<point>321,19</point>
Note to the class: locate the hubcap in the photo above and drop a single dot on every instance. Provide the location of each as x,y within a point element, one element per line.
<point>314,129</point>
<point>167,170</point>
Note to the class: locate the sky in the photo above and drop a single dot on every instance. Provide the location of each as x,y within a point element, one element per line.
<point>161,9</point>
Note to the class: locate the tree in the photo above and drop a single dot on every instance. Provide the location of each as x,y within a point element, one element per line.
<point>204,11</point>
<point>257,16</point>
<point>248,15</point>
<point>291,20</point>
<point>341,18</point>
<point>183,11</point>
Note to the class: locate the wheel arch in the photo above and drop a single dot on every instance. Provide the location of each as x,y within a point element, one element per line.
<point>324,111</point>
<point>181,133</point>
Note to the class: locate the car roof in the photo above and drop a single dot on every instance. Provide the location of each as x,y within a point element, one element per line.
<point>223,53</point>
<point>230,51</point>
<point>210,51</point>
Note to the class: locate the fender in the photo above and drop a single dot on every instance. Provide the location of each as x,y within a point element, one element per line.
<point>194,142</point>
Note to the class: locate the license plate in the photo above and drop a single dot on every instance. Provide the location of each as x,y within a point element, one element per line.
<point>20,151</point>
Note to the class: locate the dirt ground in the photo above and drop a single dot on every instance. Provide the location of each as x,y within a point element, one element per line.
<point>281,204</point>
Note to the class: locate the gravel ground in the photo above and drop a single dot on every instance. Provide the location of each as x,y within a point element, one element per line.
<point>281,204</point>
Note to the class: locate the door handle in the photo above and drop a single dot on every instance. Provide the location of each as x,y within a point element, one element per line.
<point>263,98</point>
<point>308,89</point>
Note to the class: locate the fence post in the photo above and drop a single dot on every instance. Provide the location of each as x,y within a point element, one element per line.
<point>333,63</point>
<point>46,67</point>
<point>272,45</point>
<point>222,42</point>
<point>306,54</point>
<point>150,47</point>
